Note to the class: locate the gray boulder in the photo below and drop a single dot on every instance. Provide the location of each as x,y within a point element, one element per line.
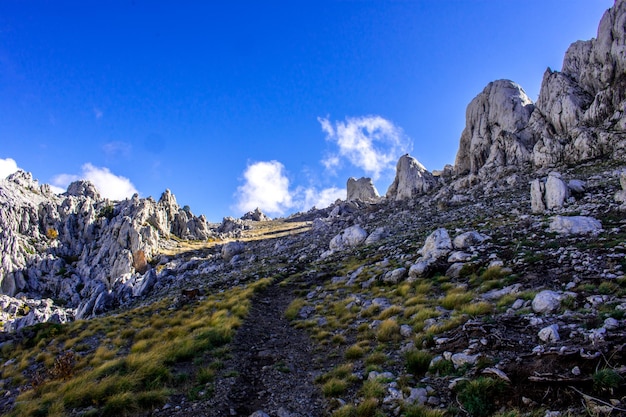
<point>350,237</point>
<point>468,239</point>
<point>436,249</point>
<point>362,189</point>
<point>412,180</point>
<point>568,225</point>
<point>546,302</point>
<point>230,249</point>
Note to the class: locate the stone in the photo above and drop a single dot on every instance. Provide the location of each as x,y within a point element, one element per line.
<point>611,324</point>
<point>576,186</point>
<point>549,334</point>
<point>556,191</point>
<point>231,249</point>
<point>350,237</point>
<point>458,256</point>
<point>395,276</point>
<point>259,413</point>
<point>454,271</point>
<point>362,189</point>
<point>83,188</point>
<point>460,359</point>
<point>436,248</point>
<point>406,331</point>
<point>567,225</point>
<point>469,239</point>
<point>537,192</point>
<point>376,236</point>
<point>546,301</point>
<point>412,180</point>
<point>496,130</point>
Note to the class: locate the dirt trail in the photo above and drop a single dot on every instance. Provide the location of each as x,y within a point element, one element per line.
<point>275,363</point>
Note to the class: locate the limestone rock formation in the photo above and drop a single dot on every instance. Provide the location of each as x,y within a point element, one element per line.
<point>362,189</point>
<point>411,180</point>
<point>580,111</point>
<point>496,133</point>
<point>79,248</point>
<point>255,215</point>
<point>579,114</point>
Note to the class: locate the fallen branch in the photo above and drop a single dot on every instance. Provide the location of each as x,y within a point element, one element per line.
<point>598,400</point>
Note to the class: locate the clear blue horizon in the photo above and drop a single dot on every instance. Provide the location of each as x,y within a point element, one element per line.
<point>233,105</point>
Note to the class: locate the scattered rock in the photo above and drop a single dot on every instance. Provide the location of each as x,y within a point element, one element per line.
<point>546,302</point>
<point>567,225</point>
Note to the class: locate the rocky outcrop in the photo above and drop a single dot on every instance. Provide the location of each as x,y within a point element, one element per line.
<point>496,133</point>
<point>362,189</point>
<point>82,249</point>
<point>256,215</point>
<point>579,114</point>
<point>412,180</point>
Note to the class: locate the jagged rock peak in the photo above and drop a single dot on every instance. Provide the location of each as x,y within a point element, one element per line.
<point>256,215</point>
<point>362,189</point>
<point>412,179</point>
<point>496,131</point>
<point>83,188</point>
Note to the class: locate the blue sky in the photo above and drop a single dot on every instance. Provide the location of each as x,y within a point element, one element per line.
<point>234,104</point>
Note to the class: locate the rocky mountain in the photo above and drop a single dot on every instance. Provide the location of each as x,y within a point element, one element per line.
<point>578,116</point>
<point>493,287</point>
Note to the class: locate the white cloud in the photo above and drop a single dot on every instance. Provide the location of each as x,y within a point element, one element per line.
<point>371,143</point>
<point>97,113</point>
<point>7,167</point>
<point>322,198</point>
<point>266,187</point>
<point>108,184</point>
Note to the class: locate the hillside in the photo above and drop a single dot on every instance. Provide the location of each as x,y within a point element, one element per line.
<point>492,287</point>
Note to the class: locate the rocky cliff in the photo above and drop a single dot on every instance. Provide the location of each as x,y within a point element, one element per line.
<point>578,116</point>
<point>80,249</point>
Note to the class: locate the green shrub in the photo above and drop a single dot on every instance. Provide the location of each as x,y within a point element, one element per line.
<point>606,380</point>
<point>418,361</point>
<point>421,411</point>
<point>367,408</point>
<point>372,389</point>
<point>294,308</point>
<point>478,397</point>
<point>334,387</point>
<point>354,352</point>
<point>388,331</point>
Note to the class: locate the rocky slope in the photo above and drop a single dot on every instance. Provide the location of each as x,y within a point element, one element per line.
<point>502,275</point>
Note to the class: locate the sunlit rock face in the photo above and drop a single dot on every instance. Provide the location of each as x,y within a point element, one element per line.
<point>80,248</point>
<point>411,180</point>
<point>496,132</point>
<point>362,189</point>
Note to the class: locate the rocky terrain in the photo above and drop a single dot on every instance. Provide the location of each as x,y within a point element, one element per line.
<point>492,287</point>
